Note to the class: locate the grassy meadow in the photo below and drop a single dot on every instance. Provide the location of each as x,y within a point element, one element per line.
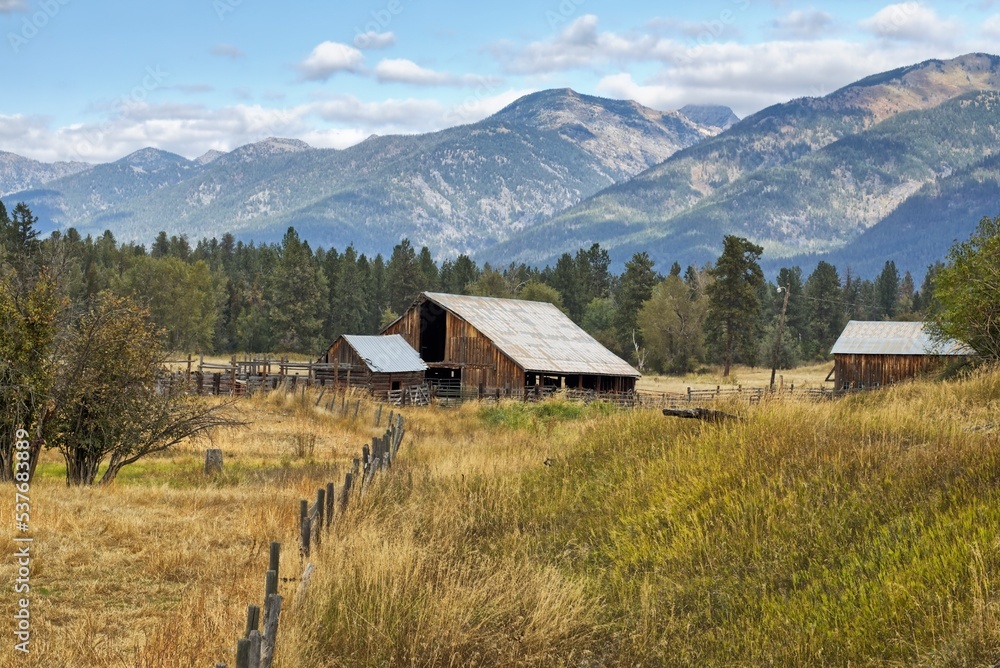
<point>861,532</point>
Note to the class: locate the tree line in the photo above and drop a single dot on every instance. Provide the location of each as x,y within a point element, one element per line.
<point>225,296</point>
<point>86,323</point>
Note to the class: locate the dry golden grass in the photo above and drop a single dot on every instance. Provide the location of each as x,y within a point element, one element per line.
<point>157,570</point>
<point>858,532</point>
<point>864,531</point>
<point>812,375</point>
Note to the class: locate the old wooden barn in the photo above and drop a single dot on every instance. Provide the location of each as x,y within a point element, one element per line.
<point>380,364</point>
<point>872,354</point>
<point>486,345</point>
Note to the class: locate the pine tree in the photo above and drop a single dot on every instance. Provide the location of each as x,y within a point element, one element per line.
<point>734,298</point>
<point>634,289</point>
<point>429,269</point>
<point>827,313</point>
<point>298,297</point>
<point>566,278</point>
<point>405,276</point>
<point>886,288</point>
<point>350,303</point>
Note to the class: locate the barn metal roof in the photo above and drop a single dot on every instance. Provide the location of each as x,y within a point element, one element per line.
<point>386,354</point>
<point>536,335</point>
<point>893,338</point>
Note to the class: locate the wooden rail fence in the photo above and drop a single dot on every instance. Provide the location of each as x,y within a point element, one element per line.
<point>255,649</point>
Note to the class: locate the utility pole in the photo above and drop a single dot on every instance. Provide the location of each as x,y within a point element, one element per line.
<point>781,329</point>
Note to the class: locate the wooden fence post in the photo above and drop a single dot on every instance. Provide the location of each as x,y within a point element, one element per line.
<point>213,461</point>
<point>304,582</point>
<point>243,653</point>
<point>272,563</point>
<point>378,415</point>
<point>329,503</point>
<point>270,589</point>
<point>253,619</point>
<point>304,526</point>
<point>345,491</point>
<point>253,658</point>
<point>320,513</point>
<point>270,630</point>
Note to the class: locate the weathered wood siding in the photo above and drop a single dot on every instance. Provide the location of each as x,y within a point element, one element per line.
<point>853,371</point>
<point>408,326</point>
<point>482,364</point>
<point>481,361</point>
<point>352,371</point>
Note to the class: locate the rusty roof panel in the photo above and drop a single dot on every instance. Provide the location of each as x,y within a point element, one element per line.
<point>893,338</point>
<point>536,335</point>
<point>386,354</point>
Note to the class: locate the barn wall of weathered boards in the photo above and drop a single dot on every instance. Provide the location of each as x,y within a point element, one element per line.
<point>508,346</point>
<point>854,371</point>
<point>379,364</point>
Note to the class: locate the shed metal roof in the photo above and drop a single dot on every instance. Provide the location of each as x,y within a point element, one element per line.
<point>386,354</point>
<point>536,335</point>
<point>893,338</point>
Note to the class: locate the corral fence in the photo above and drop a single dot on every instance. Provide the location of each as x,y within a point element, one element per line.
<point>262,374</point>
<point>256,647</point>
<point>251,376</point>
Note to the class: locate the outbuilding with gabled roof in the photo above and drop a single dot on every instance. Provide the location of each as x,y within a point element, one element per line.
<point>508,346</point>
<point>872,354</point>
<point>380,364</point>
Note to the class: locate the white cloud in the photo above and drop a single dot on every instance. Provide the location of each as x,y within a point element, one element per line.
<point>9,6</point>
<point>911,21</point>
<point>331,57</point>
<point>228,51</point>
<point>991,27</point>
<point>406,114</point>
<point>374,40</point>
<point>401,70</point>
<point>479,104</point>
<point>804,24</point>
<point>191,129</point>
<point>751,77</point>
<point>581,45</point>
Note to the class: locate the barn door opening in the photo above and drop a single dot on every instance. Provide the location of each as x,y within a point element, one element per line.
<point>433,332</point>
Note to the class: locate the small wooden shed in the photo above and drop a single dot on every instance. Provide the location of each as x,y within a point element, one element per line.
<point>509,347</point>
<point>380,364</point>
<point>872,354</point>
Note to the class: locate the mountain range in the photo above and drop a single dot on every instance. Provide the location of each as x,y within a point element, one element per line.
<point>895,166</point>
<point>457,190</point>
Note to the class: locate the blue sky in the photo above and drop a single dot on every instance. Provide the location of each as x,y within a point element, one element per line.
<point>96,80</point>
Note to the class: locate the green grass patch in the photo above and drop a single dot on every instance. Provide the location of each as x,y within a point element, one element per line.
<point>529,415</point>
